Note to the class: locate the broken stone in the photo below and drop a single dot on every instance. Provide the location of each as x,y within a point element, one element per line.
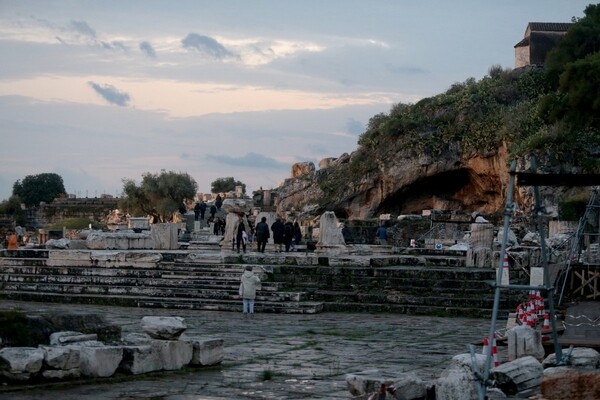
<point>523,375</point>
<point>19,363</point>
<point>60,374</point>
<point>409,387</point>
<point>572,385</point>
<point>99,362</point>
<point>140,359</point>
<point>69,337</point>
<point>524,341</point>
<point>173,354</point>
<point>457,381</point>
<point>364,382</point>
<point>167,328</point>
<point>581,357</point>
<point>61,357</point>
<point>206,351</point>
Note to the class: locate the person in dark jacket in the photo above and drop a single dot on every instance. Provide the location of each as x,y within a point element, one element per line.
<point>288,235</point>
<point>241,236</point>
<point>297,233</point>
<point>262,234</point>
<point>202,209</point>
<point>277,228</point>
<point>197,211</point>
<point>213,211</point>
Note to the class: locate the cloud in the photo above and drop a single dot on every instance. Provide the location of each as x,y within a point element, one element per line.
<point>405,69</point>
<point>251,160</point>
<point>84,29</point>
<point>111,94</point>
<point>206,45</point>
<point>147,48</point>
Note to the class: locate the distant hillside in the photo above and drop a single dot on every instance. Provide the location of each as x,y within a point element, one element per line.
<point>452,151</point>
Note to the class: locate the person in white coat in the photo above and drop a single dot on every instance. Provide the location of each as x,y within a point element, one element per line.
<point>248,286</point>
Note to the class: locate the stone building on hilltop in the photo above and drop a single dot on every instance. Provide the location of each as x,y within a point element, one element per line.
<point>539,39</point>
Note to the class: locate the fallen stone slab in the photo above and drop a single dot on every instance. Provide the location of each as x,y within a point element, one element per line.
<point>581,357</point>
<point>85,323</point>
<point>458,381</point>
<point>167,328</point>
<point>206,351</point>
<point>64,358</point>
<point>523,375</point>
<point>525,341</point>
<point>20,363</point>
<point>99,362</point>
<point>173,354</point>
<point>140,359</point>
<point>409,386</point>
<point>69,337</point>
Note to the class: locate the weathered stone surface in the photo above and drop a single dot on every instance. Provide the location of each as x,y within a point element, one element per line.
<point>20,362</point>
<point>168,328</point>
<point>511,238</point>
<point>164,236</point>
<point>206,351</point>
<point>119,240</point>
<point>330,233</point>
<point>302,168</point>
<point>525,341</point>
<point>68,337</point>
<point>61,357</point>
<point>61,374</point>
<point>457,381</point>
<point>521,375</point>
<point>139,223</point>
<point>409,387</point>
<point>61,243</point>
<point>572,385</point>
<point>76,258</point>
<point>140,359</point>
<point>98,362</point>
<point>115,259</point>
<point>238,206</point>
<point>173,354</point>
<point>137,339</point>
<point>581,357</point>
<point>364,382</point>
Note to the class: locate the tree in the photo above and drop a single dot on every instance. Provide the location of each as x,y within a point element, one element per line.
<point>37,188</point>
<point>159,195</point>
<point>12,208</point>
<point>222,185</point>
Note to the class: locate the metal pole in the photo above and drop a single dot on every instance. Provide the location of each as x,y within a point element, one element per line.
<point>507,214</point>
<point>549,288</point>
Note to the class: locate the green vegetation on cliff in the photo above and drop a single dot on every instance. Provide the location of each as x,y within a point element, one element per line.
<point>551,112</point>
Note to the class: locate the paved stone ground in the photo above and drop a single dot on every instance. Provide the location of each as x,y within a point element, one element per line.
<point>308,355</point>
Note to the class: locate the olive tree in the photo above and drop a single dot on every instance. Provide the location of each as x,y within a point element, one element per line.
<point>34,189</point>
<point>158,195</point>
<point>222,185</point>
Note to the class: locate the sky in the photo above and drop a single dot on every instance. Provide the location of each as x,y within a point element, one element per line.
<point>101,91</point>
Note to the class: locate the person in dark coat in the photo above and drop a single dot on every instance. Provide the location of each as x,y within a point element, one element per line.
<point>213,210</point>
<point>218,202</point>
<point>288,235</point>
<point>197,211</point>
<point>262,234</point>
<point>277,228</point>
<point>297,233</point>
<point>202,209</point>
<point>241,236</point>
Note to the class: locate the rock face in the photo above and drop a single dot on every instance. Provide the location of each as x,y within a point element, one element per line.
<point>369,182</point>
<point>302,168</point>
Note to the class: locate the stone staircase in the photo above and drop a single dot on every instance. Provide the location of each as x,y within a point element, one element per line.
<point>204,283</point>
<point>434,283</point>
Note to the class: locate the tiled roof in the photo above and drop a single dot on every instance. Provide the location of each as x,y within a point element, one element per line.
<point>550,26</point>
<point>524,42</point>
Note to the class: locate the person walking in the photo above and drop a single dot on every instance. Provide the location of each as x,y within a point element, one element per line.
<point>213,211</point>
<point>278,231</point>
<point>262,234</point>
<point>196,211</point>
<point>288,235</point>
<point>297,233</point>
<point>249,284</point>
<point>241,236</point>
<point>202,209</point>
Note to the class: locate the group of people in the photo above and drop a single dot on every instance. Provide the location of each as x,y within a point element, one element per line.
<point>285,235</point>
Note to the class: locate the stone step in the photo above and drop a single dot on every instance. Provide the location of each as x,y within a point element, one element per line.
<point>412,309</point>
<point>441,300</point>
<point>111,280</point>
<point>304,307</point>
<point>154,292</point>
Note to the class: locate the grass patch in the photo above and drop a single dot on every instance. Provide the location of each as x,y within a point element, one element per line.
<point>268,375</point>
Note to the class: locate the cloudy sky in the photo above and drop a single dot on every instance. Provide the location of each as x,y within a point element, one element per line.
<point>98,91</point>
